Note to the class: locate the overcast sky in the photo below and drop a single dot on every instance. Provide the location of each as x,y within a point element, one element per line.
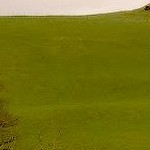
<point>66,7</point>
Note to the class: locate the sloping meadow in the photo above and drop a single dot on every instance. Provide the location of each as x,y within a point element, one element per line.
<point>76,83</point>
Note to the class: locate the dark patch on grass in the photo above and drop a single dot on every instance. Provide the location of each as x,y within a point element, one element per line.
<point>8,125</point>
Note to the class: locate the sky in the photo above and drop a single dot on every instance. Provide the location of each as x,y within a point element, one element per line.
<point>66,7</point>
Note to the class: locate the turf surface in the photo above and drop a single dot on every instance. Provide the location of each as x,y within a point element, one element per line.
<point>78,83</point>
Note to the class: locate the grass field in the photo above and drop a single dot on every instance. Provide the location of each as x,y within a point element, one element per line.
<point>78,83</point>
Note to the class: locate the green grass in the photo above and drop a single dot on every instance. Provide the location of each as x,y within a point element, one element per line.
<point>78,83</point>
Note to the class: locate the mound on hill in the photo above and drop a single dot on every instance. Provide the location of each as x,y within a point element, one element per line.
<point>147,7</point>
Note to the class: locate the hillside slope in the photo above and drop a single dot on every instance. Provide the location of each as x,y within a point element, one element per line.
<point>78,83</point>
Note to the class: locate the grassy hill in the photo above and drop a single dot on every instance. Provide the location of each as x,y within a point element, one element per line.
<point>78,83</point>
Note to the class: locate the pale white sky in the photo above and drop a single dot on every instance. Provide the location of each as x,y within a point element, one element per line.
<point>66,7</point>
